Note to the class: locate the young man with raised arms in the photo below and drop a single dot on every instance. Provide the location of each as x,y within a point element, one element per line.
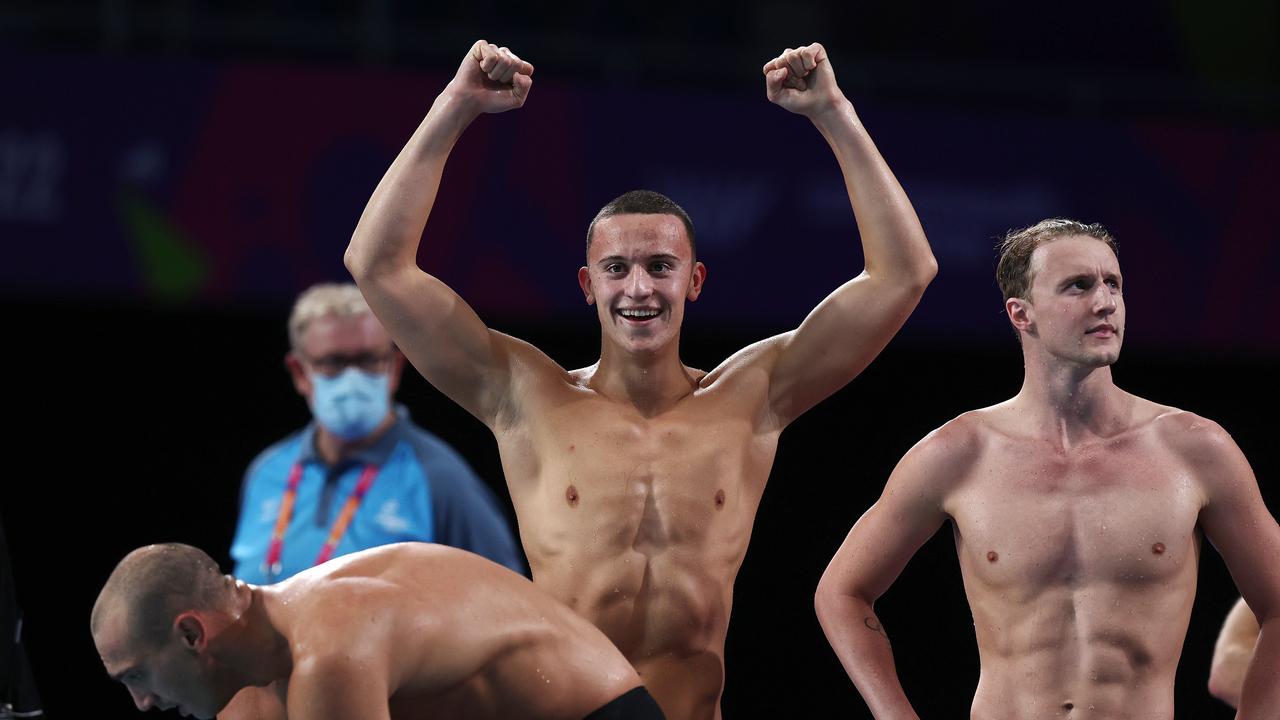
<point>636,480</point>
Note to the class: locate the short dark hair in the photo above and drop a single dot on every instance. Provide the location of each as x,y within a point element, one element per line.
<point>153,584</point>
<point>1013,273</point>
<point>644,202</point>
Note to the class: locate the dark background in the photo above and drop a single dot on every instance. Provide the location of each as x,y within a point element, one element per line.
<point>172,174</point>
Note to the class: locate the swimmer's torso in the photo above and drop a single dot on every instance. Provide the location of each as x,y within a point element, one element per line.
<point>640,524</point>
<point>454,635</point>
<point>1080,568</point>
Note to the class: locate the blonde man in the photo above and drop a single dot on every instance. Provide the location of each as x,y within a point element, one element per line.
<point>362,474</point>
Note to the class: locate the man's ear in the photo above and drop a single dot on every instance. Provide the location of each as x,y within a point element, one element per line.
<point>1021,314</point>
<point>191,630</point>
<point>301,382</point>
<point>584,282</point>
<point>696,279</point>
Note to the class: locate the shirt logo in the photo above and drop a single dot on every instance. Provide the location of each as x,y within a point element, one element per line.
<point>390,519</point>
<point>268,511</point>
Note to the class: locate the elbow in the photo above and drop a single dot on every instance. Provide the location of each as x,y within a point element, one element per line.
<point>1226,681</point>
<point>829,601</point>
<point>357,261</point>
<point>923,273</point>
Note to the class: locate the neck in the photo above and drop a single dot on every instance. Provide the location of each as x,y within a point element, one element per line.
<point>333,449</point>
<point>652,382</point>
<point>251,650</point>
<point>1072,402</point>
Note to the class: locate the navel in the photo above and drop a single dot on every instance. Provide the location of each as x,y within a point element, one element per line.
<point>1067,706</point>
<point>720,499</point>
<point>571,495</point>
<point>1157,549</point>
<point>992,556</point>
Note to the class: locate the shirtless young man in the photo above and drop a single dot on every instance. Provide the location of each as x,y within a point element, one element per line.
<point>1077,510</point>
<point>397,632</point>
<point>636,480</point>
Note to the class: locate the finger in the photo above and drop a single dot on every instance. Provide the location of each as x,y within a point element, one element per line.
<point>504,72</point>
<point>773,83</point>
<point>489,59</point>
<point>521,84</point>
<point>809,56</point>
<point>795,63</point>
<point>819,53</point>
<point>522,67</point>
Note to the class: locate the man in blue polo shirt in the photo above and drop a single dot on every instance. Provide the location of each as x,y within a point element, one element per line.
<point>361,474</point>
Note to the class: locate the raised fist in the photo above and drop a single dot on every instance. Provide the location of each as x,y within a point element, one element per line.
<point>802,81</point>
<point>491,79</point>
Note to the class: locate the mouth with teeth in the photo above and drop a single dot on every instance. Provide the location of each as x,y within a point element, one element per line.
<point>638,315</point>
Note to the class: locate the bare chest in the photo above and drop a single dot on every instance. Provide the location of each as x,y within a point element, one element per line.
<point>605,474</point>
<point>1120,512</point>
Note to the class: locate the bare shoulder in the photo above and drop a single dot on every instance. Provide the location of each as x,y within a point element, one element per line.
<point>1192,437</point>
<point>752,361</point>
<point>943,457</point>
<point>961,436</point>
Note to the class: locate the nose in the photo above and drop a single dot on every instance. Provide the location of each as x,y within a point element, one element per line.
<point>1104,300</point>
<point>639,284</point>
<point>143,700</point>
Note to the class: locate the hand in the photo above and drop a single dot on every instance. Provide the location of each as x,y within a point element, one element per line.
<point>491,79</point>
<point>802,81</point>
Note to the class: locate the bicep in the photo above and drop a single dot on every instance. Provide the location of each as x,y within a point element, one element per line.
<point>443,338</point>
<point>891,531</point>
<point>1236,520</point>
<point>338,689</point>
<point>836,342</point>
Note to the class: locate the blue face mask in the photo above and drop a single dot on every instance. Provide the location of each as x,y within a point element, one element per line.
<point>352,404</point>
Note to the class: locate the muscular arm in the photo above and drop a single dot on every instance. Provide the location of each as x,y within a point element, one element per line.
<point>439,333</point>
<point>852,325</point>
<point>1237,522</point>
<point>871,558</point>
<point>1232,653</point>
<point>337,688</point>
<point>254,703</point>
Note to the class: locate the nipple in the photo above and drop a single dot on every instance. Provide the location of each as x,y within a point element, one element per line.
<point>1158,548</point>
<point>992,556</point>
<point>572,496</point>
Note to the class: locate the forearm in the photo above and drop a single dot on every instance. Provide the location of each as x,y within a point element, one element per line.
<point>859,640</point>
<point>893,243</point>
<point>1260,696</point>
<point>390,229</point>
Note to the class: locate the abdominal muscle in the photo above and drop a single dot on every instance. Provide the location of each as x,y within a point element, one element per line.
<point>1086,652</point>
<point>667,611</point>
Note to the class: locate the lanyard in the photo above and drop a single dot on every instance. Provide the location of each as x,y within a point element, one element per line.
<point>276,549</point>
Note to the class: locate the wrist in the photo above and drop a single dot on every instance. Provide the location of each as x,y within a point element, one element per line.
<point>838,111</point>
<point>458,107</point>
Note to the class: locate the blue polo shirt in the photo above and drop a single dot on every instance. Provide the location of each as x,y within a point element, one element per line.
<point>423,491</point>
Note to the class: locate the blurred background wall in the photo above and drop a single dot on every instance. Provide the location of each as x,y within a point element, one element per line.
<point>172,174</point>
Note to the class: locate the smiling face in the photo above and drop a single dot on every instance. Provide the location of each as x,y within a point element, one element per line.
<point>1075,309</point>
<point>640,270</point>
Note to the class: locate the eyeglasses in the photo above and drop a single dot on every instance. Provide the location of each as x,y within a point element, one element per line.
<point>333,365</point>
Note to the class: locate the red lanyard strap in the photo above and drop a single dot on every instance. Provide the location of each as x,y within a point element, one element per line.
<point>276,549</point>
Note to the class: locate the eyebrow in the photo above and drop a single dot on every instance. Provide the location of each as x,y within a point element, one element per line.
<point>119,677</point>
<point>659,256</point>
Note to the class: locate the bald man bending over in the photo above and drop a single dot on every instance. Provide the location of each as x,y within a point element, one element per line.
<point>399,632</point>
<point>636,480</point>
